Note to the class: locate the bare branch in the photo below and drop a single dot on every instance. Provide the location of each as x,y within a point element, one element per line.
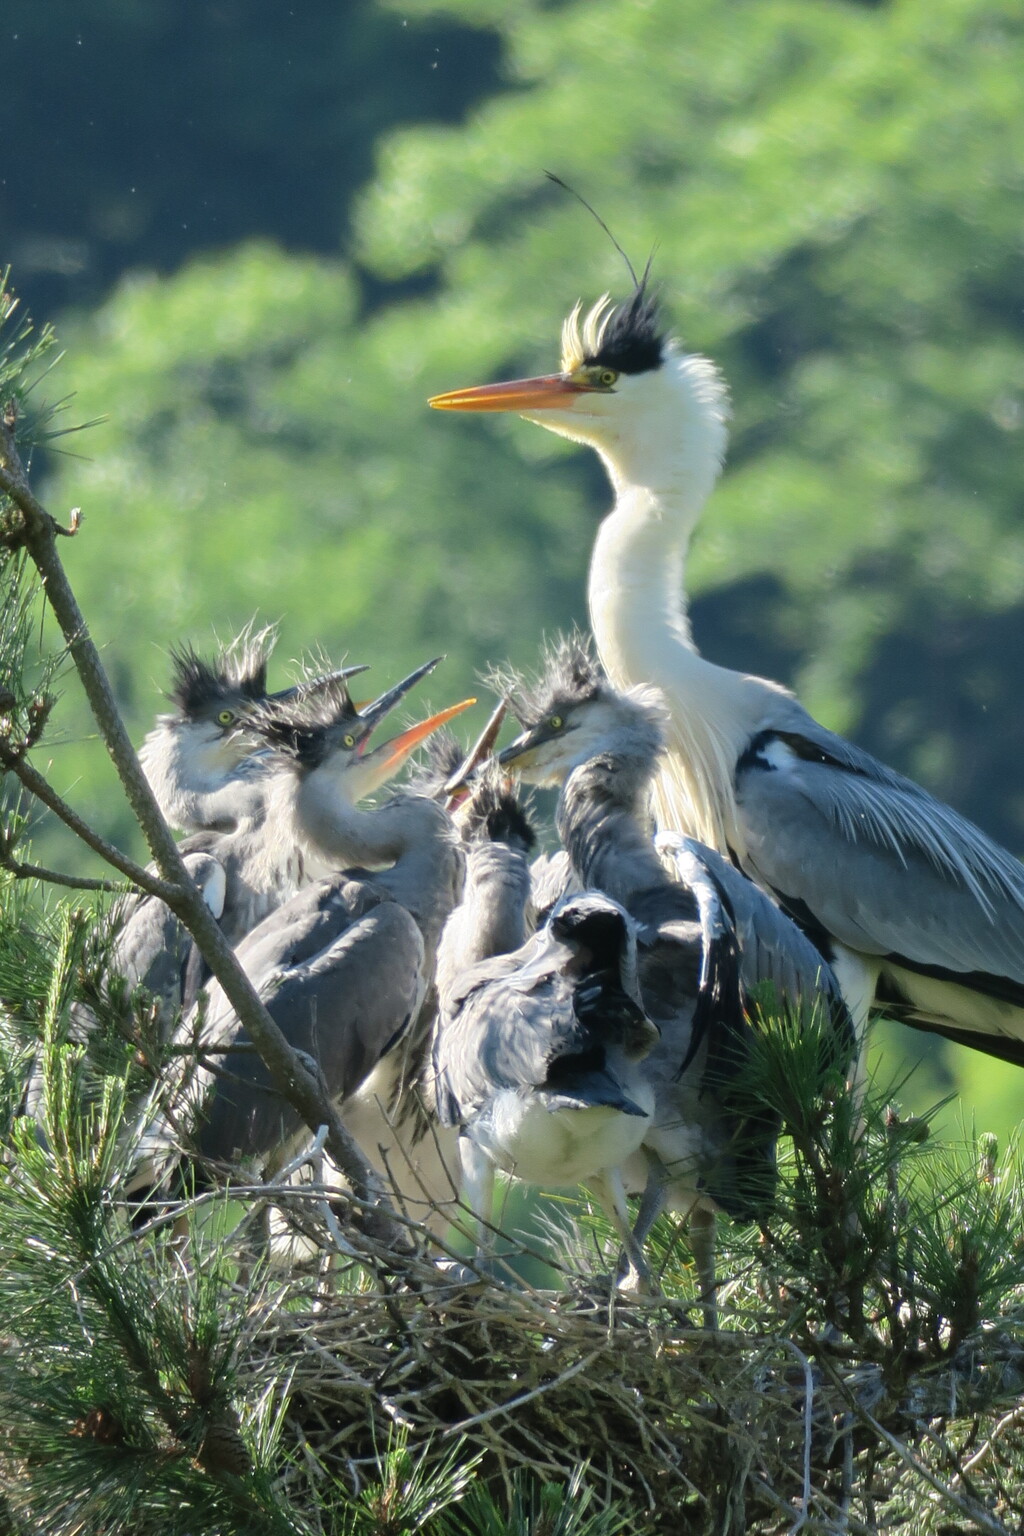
<point>44,792</point>
<point>23,871</point>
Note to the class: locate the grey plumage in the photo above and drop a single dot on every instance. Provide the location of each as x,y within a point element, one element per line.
<point>874,862</point>
<point>536,1040</point>
<point>340,968</point>
<point>210,772</point>
<point>535,1052</point>
<point>707,940</point>
<point>492,915</point>
<point>343,966</point>
<point>152,949</point>
<point>560,1015</point>
<point>196,758</point>
<point>552,878</point>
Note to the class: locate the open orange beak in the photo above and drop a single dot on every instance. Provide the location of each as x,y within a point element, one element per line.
<point>385,761</point>
<point>550,392</point>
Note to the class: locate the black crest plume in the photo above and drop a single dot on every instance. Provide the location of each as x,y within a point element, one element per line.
<point>198,685</point>
<point>239,672</point>
<point>631,338</point>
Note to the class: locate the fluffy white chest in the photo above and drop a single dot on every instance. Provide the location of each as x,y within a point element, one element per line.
<point>540,1145</point>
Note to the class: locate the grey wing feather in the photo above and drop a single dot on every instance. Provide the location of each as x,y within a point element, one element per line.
<point>503,1037</point>
<point>153,949</point>
<point>771,947</point>
<point>343,979</point>
<point>704,1129</point>
<point>551,878</point>
<point>499,1026</point>
<point>878,862</point>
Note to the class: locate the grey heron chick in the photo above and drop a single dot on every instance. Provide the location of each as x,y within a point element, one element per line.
<point>261,849</point>
<point>708,941</point>
<point>197,759</point>
<point>344,966</point>
<point>551,874</point>
<point>920,913</point>
<point>536,1054</point>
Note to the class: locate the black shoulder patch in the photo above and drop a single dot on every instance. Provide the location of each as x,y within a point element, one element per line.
<point>632,340</point>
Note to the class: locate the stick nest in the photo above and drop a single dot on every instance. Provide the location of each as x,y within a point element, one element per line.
<point>725,1432</point>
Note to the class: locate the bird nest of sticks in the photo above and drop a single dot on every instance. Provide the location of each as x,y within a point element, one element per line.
<point>690,1430</point>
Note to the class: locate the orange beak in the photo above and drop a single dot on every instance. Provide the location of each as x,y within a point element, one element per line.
<point>550,392</point>
<point>390,757</point>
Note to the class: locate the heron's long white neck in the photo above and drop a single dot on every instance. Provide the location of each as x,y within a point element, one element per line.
<point>638,607</point>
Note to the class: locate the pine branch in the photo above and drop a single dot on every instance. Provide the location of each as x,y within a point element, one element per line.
<point>23,871</point>
<point>38,533</point>
<point>37,785</point>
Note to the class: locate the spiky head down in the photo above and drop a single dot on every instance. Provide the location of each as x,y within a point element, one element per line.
<point>570,674</point>
<point>571,714</point>
<point>493,812</point>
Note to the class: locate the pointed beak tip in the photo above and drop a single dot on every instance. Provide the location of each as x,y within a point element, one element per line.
<point>547,392</point>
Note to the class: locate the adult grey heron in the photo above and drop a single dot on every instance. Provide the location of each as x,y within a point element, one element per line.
<point>920,913</point>
<point>344,965</point>
<point>537,1047</point>
<point>709,941</point>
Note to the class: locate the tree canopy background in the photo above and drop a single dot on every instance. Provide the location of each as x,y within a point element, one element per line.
<point>268,232</point>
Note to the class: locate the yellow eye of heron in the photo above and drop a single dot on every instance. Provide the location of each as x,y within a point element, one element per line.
<point>556,722</point>
<point>348,740</point>
<point>225,717</point>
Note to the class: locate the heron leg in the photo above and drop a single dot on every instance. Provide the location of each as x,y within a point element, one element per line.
<point>652,1202</point>
<point>610,1192</point>
<point>478,1192</point>
<point>701,1230</point>
<point>857,977</point>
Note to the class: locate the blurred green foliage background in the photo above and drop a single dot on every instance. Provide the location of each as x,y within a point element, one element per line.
<point>268,231</point>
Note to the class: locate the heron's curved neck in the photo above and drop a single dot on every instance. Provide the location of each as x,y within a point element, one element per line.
<point>491,918</point>
<point>637,610</point>
<point>602,821</point>
<point>342,833</point>
<point>410,839</point>
<point>637,570</point>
